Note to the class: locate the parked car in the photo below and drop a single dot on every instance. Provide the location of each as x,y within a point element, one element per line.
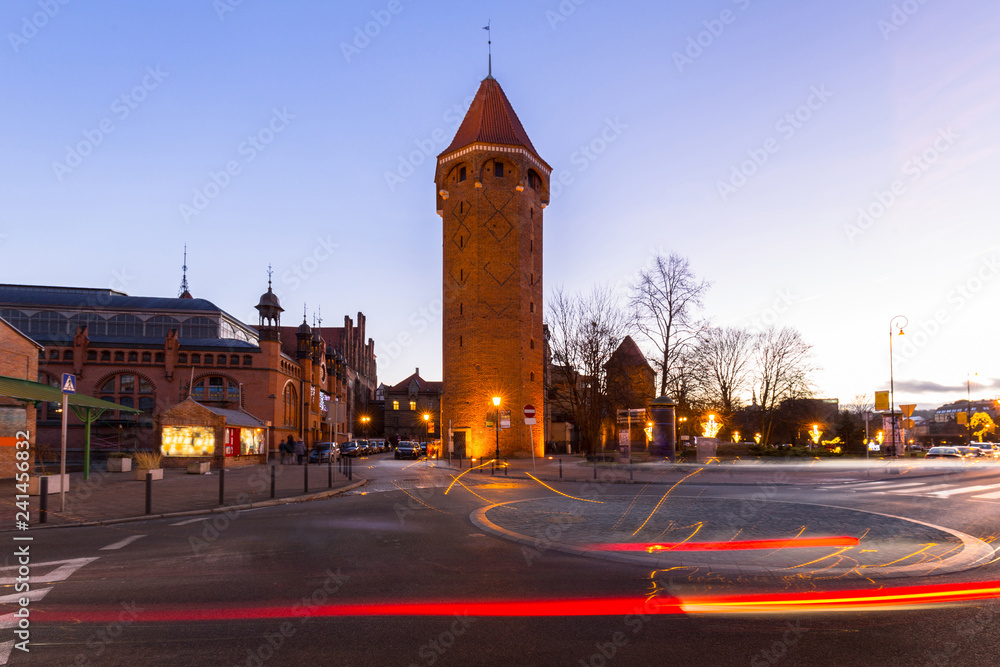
<point>944,453</point>
<point>323,451</point>
<point>352,448</point>
<point>987,448</point>
<point>407,449</point>
<point>423,449</point>
<point>379,444</point>
<point>969,452</point>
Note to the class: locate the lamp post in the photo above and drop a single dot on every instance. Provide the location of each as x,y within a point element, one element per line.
<point>364,425</point>
<point>892,388</point>
<point>496,402</point>
<point>426,426</point>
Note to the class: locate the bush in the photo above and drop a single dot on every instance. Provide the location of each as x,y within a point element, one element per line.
<point>147,460</point>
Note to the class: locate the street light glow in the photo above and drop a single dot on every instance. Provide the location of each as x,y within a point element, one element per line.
<point>496,401</point>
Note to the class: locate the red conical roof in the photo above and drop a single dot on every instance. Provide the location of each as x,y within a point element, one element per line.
<point>492,120</point>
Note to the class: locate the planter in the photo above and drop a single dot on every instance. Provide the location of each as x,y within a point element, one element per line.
<point>35,484</point>
<point>199,467</point>
<point>117,464</point>
<point>140,473</point>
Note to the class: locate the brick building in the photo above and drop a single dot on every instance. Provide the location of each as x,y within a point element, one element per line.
<point>19,360</point>
<point>492,187</point>
<point>151,353</point>
<point>407,402</point>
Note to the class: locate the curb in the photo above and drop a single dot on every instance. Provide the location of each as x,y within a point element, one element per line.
<point>975,552</point>
<point>319,495</point>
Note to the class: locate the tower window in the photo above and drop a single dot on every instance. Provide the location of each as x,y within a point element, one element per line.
<point>498,169</point>
<point>532,377</point>
<point>395,405</point>
<point>531,245</point>
<point>460,341</point>
<point>531,307</point>
<point>460,309</point>
<point>461,275</point>
<point>532,279</point>
<point>461,241</point>
<point>461,174</point>
<point>531,344</point>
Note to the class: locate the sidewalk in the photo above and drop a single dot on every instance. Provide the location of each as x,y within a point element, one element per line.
<point>113,497</point>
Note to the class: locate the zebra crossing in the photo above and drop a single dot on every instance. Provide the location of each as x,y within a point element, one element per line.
<point>923,489</point>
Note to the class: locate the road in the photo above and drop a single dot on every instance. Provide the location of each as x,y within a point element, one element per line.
<point>308,584</point>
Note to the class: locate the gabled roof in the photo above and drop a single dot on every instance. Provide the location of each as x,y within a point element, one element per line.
<point>422,385</point>
<point>491,119</point>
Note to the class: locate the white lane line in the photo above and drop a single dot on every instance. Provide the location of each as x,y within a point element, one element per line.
<point>965,489</point>
<point>5,649</point>
<point>194,520</point>
<point>884,485</point>
<point>923,490</point>
<point>122,543</point>
<point>33,595</point>
<point>989,496</point>
<point>65,569</point>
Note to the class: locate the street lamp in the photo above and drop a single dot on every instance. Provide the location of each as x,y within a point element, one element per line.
<point>364,425</point>
<point>426,426</point>
<point>892,388</point>
<point>496,402</point>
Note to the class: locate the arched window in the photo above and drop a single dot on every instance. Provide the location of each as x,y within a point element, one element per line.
<point>48,324</point>
<point>125,325</point>
<point>199,327</point>
<point>96,325</point>
<point>215,389</point>
<point>17,319</point>
<point>160,325</point>
<point>290,400</point>
<point>130,390</point>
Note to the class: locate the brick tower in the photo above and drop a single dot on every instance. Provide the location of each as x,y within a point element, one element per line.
<point>491,189</point>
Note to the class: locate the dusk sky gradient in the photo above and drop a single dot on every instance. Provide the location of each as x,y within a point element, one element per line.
<point>664,147</point>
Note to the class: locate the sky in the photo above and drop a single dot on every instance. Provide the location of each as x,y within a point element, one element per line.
<point>828,165</point>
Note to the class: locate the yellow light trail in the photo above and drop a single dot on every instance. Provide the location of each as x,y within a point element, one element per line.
<point>419,500</point>
<point>460,475</point>
<point>664,498</point>
<point>919,551</point>
<point>462,484</point>
<point>599,502</point>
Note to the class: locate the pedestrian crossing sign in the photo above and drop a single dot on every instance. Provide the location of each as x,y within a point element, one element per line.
<point>68,383</point>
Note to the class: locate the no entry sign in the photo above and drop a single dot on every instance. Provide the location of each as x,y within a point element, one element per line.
<point>529,415</point>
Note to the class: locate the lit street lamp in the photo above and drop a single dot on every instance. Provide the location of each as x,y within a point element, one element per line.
<point>364,424</point>
<point>426,426</point>
<point>892,388</point>
<point>496,402</point>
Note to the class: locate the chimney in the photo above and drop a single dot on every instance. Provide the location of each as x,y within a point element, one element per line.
<point>418,371</point>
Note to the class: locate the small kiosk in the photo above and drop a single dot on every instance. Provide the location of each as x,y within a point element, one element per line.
<point>192,432</point>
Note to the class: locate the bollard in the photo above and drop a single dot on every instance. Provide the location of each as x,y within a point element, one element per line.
<point>560,468</point>
<point>506,465</point>
<point>595,466</point>
<point>222,485</point>
<point>350,469</point>
<point>149,493</point>
<point>43,502</point>
<point>329,470</point>
<point>305,477</point>
<point>272,481</point>
<point>630,468</point>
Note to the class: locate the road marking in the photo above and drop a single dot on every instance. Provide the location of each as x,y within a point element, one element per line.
<point>194,520</point>
<point>65,569</point>
<point>922,490</point>
<point>33,595</point>
<point>122,543</point>
<point>5,649</point>
<point>965,489</point>
<point>989,496</point>
<point>870,486</point>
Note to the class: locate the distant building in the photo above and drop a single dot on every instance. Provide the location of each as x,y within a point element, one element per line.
<point>19,361</point>
<point>407,403</point>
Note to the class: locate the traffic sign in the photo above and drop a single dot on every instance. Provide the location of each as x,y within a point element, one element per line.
<point>68,383</point>
<point>529,415</point>
<point>881,400</point>
<point>907,410</point>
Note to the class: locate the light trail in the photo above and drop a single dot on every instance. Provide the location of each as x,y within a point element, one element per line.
<point>742,545</point>
<point>664,498</point>
<point>462,473</point>
<point>599,502</point>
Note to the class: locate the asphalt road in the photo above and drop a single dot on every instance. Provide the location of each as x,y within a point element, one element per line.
<point>278,585</point>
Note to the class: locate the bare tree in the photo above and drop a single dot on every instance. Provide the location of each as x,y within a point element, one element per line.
<point>585,331</point>
<point>663,301</point>
<point>782,369</point>
<point>724,360</point>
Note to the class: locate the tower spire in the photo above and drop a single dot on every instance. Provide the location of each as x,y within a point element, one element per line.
<point>183,292</point>
<point>489,46</point>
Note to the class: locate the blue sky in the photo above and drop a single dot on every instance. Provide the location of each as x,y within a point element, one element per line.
<point>827,165</point>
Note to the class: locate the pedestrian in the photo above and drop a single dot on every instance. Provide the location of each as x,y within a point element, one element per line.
<point>300,450</point>
<point>287,449</point>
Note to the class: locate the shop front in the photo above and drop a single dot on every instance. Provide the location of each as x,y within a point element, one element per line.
<point>191,432</point>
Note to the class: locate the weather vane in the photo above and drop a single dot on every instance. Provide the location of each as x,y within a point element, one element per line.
<point>489,45</point>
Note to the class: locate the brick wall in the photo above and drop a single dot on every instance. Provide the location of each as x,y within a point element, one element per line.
<point>19,360</point>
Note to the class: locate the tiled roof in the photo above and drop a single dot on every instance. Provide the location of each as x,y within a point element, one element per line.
<point>628,354</point>
<point>491,119</point>
<point>423,385</point>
